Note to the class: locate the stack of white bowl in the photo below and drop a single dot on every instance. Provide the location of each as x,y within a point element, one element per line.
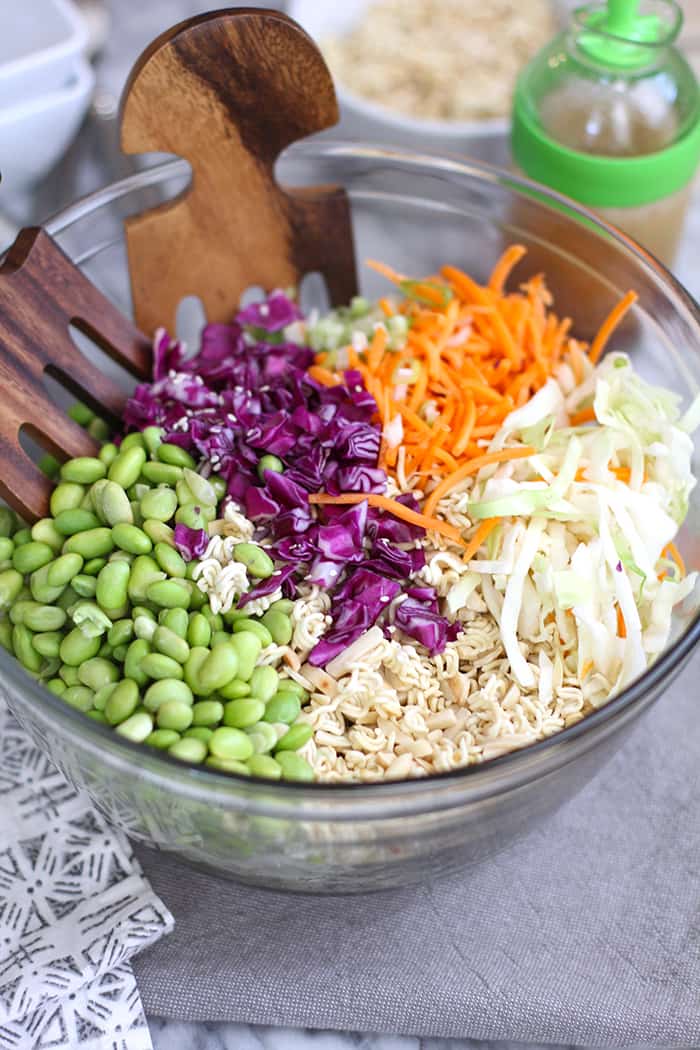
<point>46,85</point>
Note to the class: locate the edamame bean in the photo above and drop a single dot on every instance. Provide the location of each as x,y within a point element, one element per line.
<point>243,713</point>
<point>283,707</point>
<point>122,702</point>
<point>56,686</point>
<point>23,648</point>
<point>264,766</point>
<point>191,515</point>
<point>171,594</point>
<point>228,743</point>
<point>269,462</point>
<point>63,570</point>
<point>235,689</point>
<point>91,620</point>
<point>48,643</point>
<point>202,733</point>
<point>96,491</point>
<point>219,485</point>
<point>22,536</point>
<point>31,556</point>
<point>66,496</point>
<point>220,638</point>
<point>69,675</point>
<point>257,561</point>
<point>6,548</point>
<point>159,504</point>
<point>184,493</point>
<point>41,590</point>
<point>159,532</point>
<point>247,646</point>
<point>192,671</point>
<point>11,584</point>
<point>295,737</point>
<point>85,586</point>
<point>44,617</point>
<point>44,531</point>
<point>97,716</point>
<point>98,672</point>
<point>19,608</point>
<point>170,644</point>
<point>263,737</point>
<point>152,438</point>
<point>263,683</point>
<point>161,473</point>
<point>293,766</point>
<point>77,647</point>
<point>102,695</point>
<point>200,488</point>
<point>80,413</point>
<point>228,765</point>
<point>93,567</point>
<point>253,627</point>
<point>144,572</point>
<point>113,584</point>
<point>99,429</point>
<point>119,652</point>
<point>288,685</point>
<point>283,605</point>
<point>279,626</point>
<point>132,539</point>
<point>174,715</point>
<point>108,453</point>
<point>133,660</point>
<point>116,508</point>
<point>198,598</point>
<point>79,697</point>
<point>176,620</point>
<point>219,667</point>
<point>127,467</point>
<point>137,728</point>
<point>84,470</point>
<point>189,750</point>
<point>167,689</point>
<point>174,456</point>
<point>215,620</point>
<point>155,665</point>
<point>133,440</point>
<point>94,543</point>
<point>8,521</point>
<point>207,713</point>
<point>198,630</point>
<point>121,632</point>
<point>170,560</point>
<point>71,522</point>
<point>162,739</point>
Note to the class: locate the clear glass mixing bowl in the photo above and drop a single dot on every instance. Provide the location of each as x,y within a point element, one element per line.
<point>415,212</point>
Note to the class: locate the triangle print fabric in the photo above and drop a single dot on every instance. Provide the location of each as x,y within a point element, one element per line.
<point>74,908</point>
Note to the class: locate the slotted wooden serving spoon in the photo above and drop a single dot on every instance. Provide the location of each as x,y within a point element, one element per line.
<point>227,91</point>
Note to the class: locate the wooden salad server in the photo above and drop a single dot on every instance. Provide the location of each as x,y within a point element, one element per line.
<point>228,91</point>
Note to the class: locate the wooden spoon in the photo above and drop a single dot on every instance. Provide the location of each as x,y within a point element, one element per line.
<point>227,91</point>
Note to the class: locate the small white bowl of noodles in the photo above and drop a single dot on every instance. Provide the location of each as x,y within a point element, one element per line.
<point>437,74</point>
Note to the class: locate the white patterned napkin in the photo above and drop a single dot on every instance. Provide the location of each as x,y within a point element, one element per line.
<point>74,908</point>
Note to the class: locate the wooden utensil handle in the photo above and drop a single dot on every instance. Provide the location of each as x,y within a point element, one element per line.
<point>229,91</point>
<point>41,294</point>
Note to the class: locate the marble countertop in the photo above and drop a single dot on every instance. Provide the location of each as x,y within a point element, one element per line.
<point>133,25</point>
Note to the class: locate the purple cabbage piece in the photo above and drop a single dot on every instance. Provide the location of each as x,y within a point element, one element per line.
<point>419,617</point>
<point>275,313</point>
<point>283,578</point>
<point>191,543</point>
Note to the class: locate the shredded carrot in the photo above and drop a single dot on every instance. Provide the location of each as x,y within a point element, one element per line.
<point>586,415</point>
<point>473,466</point>
<point>587,668</point>
<point>392,506</point>
<point>609,325</point>
<point>324,376</point>
<point>482,533</point>
<point>501,271</point>
<point>672,552</point>
<point>621,625</point>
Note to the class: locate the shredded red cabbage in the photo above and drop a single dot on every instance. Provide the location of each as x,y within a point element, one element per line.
<point>247,393</point>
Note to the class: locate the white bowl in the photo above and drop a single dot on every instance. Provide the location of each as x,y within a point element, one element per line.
<point>35,134</point>
<point>485,140</point>
<point>40,42</point>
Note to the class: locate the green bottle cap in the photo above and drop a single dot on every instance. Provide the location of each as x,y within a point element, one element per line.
<point>613,42</point>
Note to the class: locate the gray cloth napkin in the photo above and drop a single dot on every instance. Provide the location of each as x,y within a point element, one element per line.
<point>74,909</point>
<point>587,932</point>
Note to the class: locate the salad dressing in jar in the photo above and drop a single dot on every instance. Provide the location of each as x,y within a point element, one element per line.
<point>609,114</point>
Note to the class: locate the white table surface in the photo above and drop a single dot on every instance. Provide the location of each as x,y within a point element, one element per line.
<point>134,24</point>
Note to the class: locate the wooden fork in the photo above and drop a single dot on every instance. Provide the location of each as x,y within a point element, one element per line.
<point>227,91</point>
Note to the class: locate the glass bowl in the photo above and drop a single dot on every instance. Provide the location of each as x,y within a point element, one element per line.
<point>415,212</point>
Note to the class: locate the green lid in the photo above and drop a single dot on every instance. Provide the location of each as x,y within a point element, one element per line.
<point>600,181</point>
<point>618,30</point>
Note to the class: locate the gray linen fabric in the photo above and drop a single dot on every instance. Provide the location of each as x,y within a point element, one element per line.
<point>588,932</point>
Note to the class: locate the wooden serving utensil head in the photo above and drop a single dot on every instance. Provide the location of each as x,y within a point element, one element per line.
<point>41,294</point>
<point>229,91</point>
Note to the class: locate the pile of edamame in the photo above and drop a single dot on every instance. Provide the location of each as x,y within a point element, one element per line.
<point>98,604</point>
